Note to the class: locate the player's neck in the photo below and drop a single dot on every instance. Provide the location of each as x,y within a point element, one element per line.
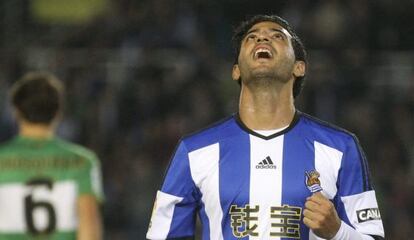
<point>264,109</point>
<point>34,130</point>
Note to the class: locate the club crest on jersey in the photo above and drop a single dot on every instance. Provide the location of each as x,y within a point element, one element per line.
<point>312,181</point>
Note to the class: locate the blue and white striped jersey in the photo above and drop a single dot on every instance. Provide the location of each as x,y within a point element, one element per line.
<point>246,186</point>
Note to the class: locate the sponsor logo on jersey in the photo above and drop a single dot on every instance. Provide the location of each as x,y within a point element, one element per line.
<point>312,181</point>
<point>266,163</point>
<point>245,221</point>
<point>368,214</point>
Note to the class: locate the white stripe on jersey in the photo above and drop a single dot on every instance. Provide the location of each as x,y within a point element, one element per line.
<point>265,184</point>
<point>162,215</point>
<point>62,198</point>
<point>327,163</point>
<point>204,166</point>
<point>362,201</point>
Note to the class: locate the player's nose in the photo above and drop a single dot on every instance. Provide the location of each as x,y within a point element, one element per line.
<point>262,38</point>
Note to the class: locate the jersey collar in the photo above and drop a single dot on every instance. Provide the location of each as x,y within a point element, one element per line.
<point>295,120</point>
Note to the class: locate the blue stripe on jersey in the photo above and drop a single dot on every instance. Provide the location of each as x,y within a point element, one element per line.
<point>179,168</point>
<point>184,221</point>
<point>298,156</point>
<point>364,162</point>
<point>204,221</point>
<point>352,168</point>
<point>212,134</point>
<point>234,177</point>
<point>340,209</point>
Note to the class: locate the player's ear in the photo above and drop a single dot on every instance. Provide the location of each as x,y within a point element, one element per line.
<point>299,69</point>
<point>236,72</point>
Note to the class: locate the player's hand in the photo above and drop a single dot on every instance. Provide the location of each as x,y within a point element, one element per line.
<point>320,216</point>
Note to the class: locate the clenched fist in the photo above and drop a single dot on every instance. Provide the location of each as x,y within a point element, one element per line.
<point>320,216</point>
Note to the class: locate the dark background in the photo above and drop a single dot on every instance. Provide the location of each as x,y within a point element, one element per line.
<point>140,74</point>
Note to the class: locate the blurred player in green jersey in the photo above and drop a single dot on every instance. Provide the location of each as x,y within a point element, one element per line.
<point>49,188</point>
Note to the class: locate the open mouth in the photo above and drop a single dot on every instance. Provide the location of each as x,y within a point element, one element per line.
<point>263,53</point>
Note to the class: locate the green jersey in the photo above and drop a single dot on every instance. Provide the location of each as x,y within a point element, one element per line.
<point>40,182</point>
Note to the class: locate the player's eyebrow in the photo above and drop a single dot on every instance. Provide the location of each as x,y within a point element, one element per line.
<point>252,31</point>
<point>283,31</point>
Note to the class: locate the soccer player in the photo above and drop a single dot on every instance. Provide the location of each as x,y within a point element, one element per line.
<point>269,171</point>
<point>49,188</point>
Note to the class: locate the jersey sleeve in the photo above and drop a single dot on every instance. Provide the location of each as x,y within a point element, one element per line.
<point>358,205</point>
<point>174,212</point>
<point>90,177</point>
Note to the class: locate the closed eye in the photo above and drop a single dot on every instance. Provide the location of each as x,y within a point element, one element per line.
<point>278,35</point>
<point>251,37</point>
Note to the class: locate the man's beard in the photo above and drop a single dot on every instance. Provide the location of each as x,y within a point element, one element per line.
<point>266,79</point>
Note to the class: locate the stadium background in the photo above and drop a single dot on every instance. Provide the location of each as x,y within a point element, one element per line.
<point>142,73</point>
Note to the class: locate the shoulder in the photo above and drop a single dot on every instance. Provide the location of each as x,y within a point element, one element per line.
<point>325,131</point>
<point>76,150</point>
<point>211,134</point>
<point>9,146</point>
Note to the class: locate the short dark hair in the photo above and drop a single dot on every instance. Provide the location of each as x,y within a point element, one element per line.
<point>298,47</point>
<point>38,97</point>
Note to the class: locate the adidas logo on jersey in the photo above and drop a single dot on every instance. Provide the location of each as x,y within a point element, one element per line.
<point>266,164</point>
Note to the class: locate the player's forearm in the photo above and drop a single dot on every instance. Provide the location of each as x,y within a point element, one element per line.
<point>90,225</point>
<point>91,232</point>
<point>89,235</point>
<point>346,232</point>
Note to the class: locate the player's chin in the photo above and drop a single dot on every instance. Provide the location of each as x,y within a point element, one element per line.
<point>263,70</point>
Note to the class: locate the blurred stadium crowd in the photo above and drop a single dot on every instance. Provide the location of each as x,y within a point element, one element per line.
<point>140,74</point>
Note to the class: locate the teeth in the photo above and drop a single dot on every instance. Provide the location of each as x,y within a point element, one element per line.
<point>262,50</point>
